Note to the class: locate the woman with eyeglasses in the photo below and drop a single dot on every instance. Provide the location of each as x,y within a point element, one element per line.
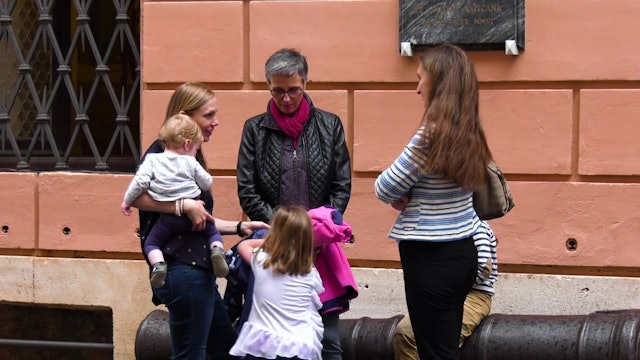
<point>294,154</point>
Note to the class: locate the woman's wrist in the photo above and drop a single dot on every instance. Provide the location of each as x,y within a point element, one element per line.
<point>239,229</point>
<point>189,205</point>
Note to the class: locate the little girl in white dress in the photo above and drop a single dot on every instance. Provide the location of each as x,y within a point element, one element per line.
<point>284,321</point>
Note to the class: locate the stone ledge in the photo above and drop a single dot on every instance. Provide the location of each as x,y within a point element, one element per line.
<point>122,286</point>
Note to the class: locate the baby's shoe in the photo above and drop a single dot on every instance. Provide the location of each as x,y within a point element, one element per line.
<point>219,262</point>
<point>158,274</point>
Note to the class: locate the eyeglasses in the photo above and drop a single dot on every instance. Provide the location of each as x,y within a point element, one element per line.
<point>293,92</point>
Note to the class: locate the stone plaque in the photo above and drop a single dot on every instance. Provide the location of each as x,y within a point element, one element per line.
<point>473,25</point>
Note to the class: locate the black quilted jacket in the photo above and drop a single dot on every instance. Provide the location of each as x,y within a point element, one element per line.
<point>259,170</point>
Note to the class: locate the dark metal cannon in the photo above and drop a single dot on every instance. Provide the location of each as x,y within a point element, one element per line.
<point>602,335</point>
<point>368,338</point>
<point>153,340</point>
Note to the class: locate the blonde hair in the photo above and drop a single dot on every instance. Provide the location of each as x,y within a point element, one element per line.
<point>289,242</point>
<point>188,98</point>
<point>177,129</point>
<point>455,144</point>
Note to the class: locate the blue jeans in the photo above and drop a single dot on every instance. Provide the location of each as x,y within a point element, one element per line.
<point>199,324</point>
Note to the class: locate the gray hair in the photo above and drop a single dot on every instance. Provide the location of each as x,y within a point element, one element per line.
<point>286,62</point>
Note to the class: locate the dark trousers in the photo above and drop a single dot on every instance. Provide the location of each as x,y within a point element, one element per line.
<point>437,278</point>
<point>331,347</point>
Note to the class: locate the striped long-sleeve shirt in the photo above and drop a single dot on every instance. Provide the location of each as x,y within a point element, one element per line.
<point>486,244</point>
<point>438,209</point>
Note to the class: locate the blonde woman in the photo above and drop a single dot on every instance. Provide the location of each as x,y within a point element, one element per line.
<point>198,322</point>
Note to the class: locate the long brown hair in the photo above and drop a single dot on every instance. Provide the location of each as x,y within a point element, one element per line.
<point>457,146</point>
<point>289,242</point>
<point>188,98</point>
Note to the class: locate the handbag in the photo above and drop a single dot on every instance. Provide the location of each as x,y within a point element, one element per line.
<point>494,200</point>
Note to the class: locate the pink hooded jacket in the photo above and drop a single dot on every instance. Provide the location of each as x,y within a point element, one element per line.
<point>329,230</point>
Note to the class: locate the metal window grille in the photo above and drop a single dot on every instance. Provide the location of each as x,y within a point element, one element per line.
<point>69,85</point>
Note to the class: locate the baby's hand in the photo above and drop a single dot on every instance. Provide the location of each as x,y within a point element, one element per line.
<point>401,203</point>
<point>126,208</point>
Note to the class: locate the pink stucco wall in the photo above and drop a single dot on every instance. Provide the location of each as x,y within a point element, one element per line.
<point>562,119</point>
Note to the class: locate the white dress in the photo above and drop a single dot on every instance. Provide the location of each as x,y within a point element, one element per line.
<point>284,319</point>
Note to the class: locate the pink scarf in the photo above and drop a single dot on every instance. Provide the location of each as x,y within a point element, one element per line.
<point>291,124</point>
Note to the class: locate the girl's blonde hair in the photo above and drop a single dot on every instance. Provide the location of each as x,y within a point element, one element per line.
<point>188,98</point>
<point>289,242</point>
<point>178,129</point>
<point>456,147</point>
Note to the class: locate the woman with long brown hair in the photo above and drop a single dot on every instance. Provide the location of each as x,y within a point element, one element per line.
<point>432,182</point>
